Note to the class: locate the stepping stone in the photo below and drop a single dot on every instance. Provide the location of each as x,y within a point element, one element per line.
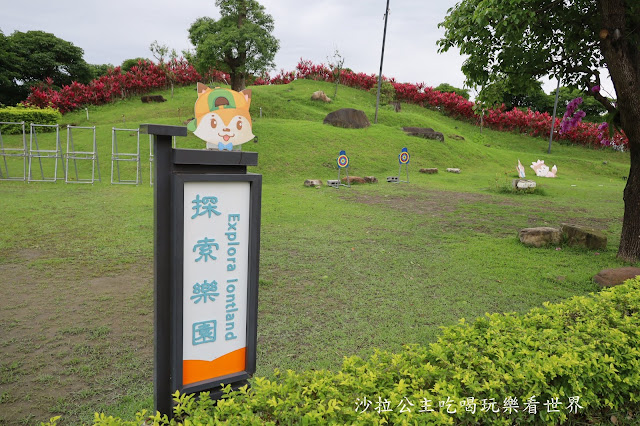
<point>615,276</point>
<point>539,237</point>
<point>430,171</point>
<point>313,182</point>
<point>523,184</point>
<point>581,236</point>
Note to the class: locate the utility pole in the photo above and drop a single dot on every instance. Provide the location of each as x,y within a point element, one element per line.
<point>384,36</point>
<point>553,119</point>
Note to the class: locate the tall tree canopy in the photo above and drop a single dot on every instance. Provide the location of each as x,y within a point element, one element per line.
<point>32,56</point>
<point>536,99</point>
<point>9,91</point>
<point>240,42</point>
<point>520,40</point>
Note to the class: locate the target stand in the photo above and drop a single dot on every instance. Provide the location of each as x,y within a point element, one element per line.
<point>343,163</point>
<point>403,159</point>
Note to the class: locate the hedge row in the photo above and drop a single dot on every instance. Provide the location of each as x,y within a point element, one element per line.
<point>142,78</point>
<point>28,115</point>
<point>529,122</point>
<point>566,362</point>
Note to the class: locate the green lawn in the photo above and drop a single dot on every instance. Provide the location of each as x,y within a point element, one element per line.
<point>342,271</point>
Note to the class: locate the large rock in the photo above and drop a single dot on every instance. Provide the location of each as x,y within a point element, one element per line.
<point>424,132</point>
<point>542,236</point>
<point>611,277</point>
<point>581,236</point>
<point>429,171</point>
<point>152,98</point>
<point>523,184</point>
<point>313,182</point>
<point>320,96</point>
<point>456,137</point>
<point>348,118</point>
<point>371,179</point>
<point>353,179</point>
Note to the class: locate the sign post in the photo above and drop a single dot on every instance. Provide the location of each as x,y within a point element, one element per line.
<point>207,238</point>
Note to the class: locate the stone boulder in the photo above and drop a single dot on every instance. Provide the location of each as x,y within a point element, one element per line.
<point>320,96</point>
<point>539,237</point>
<point>580,236</point>
<point>152,98</point>
<point>353,179</point>
<point>347,118</point>
<point>453,170</point>
<point>313,182</point>
<point>456,137</point>
<point>370,179</point>
<point>424,132</point>
<point>615,276</point>
<point>523,184</point>
<point>430,171</point>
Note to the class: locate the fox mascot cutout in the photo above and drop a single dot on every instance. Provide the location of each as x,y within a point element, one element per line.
<point>222,117</point>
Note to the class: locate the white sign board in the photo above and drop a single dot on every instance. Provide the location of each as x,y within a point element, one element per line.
<point>215,279</point>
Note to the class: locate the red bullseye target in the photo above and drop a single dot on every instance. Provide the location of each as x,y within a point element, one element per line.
<point>404,158</point>
<point>343,161</point>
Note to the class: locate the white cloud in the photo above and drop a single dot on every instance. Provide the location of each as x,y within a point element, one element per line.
<point>118,30</point>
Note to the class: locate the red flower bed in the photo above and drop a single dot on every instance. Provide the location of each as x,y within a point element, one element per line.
<point>528,122</point>
<point>143,78</point>
<point>148,76</point>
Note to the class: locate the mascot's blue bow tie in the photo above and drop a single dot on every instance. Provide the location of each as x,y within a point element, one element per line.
<point>223,147</point>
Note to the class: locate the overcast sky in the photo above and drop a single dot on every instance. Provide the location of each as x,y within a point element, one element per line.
<point>110,32</point>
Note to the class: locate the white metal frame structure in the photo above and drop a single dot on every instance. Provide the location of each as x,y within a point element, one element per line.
<point>117,157</point>
<point>13,152</point>
<point>38,153</point>
<point>74,155</point>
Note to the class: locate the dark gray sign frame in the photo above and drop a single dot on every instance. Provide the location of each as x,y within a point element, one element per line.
<point>173,168</point>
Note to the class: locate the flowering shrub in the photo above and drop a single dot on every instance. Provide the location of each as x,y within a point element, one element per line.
<point>573,362</point>
<point>529,122</point>
<point>148,76</point>
<point>603,130</point>
<point>142,78</point>
<point>571,118</point>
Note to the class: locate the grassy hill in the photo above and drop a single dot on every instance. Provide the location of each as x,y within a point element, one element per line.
<point>342,271</point>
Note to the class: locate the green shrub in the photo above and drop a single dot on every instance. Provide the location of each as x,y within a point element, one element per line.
<point>447,88</point>
<point>28,115</point>
<point>387,92</point>
<point>585,347</point>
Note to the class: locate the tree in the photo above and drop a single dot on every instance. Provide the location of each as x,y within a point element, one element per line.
<point>240,42</point>
<point>10,92</point>
<point>34,56</point>
<point>335,66</point>
<point>127,64</point>
<point>530,97</point>
<point>98,70</point>
<point>518,41</point>
<point>594,109</point>
<point>447,88</point>
<point>159,51</point>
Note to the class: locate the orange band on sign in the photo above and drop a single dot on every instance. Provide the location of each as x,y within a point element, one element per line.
<point>196,370</point>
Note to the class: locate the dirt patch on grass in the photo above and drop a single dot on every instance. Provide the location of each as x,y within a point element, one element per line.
<point>487,214</point>
<point>70,342</point>
<point>426,202</point>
